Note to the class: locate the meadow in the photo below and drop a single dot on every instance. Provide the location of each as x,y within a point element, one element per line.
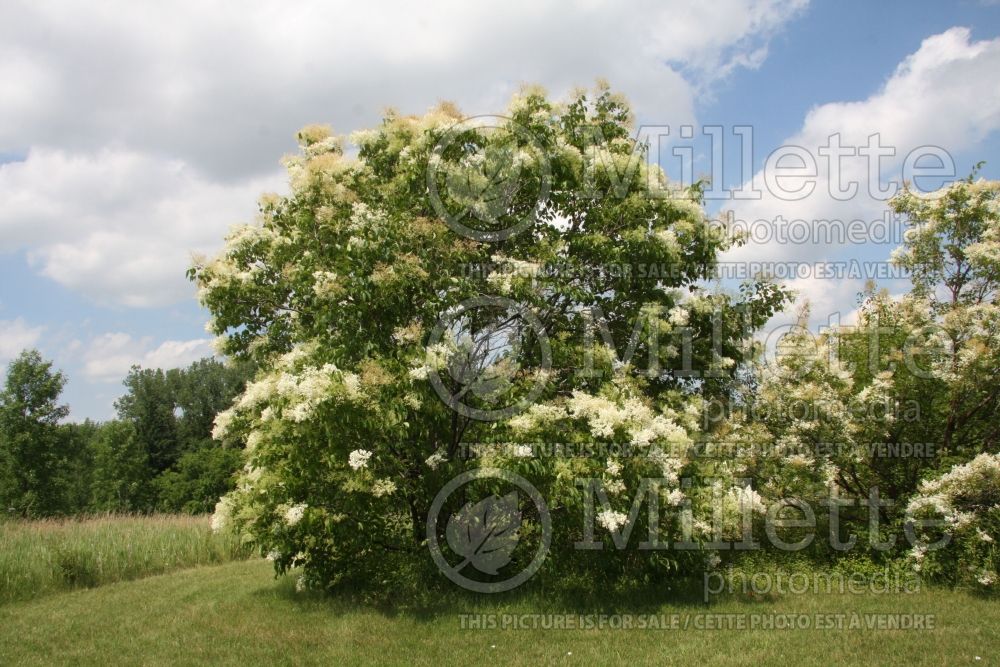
<point>238,614</point>
<point>166,590</point>
<point>50,555</point>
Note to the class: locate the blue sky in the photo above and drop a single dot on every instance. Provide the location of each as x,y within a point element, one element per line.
<point>131,136</point>
<point>843,51</point>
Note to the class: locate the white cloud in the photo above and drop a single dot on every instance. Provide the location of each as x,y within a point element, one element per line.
<point>149,129</point>
<point>17,335</point>
<point>940,96</point>
<point>109,356</point>
<point>153,158</point>
<point>224,87</point>
<point>118,226</point>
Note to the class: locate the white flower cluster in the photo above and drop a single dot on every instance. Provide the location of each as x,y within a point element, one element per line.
<point>435,358</point>
<point>611,520</point>
<point>383,487</point>
<point>242,235</point>
<point>612,482</point>
<point>411,333</point>
<point>295,513</point>
<point>327,145</point>
<point>879,392</point>
<point>222,515</point>
<point>324,284</point>
<point>962,497</point>
<point>297,354</point>
<point>679,316</point>
<point>746,499</point>
<point>435,459</point>
<point>980,475</point>
<point>254,438</point>
<point>539,414</point>
<point>971,486</point>
<point>669,466</point>
<point>304,390</point>
<point>675,497</point>
<point>936,503</point>
<point>233,265</point>
<point>362,138</point>
<point>635,417</point>
<point>358,459</point>
<point>917,554</point>
<point>521,451</point>
<point>223,421</point>
<point>352,385</point>
<point>799,460</point>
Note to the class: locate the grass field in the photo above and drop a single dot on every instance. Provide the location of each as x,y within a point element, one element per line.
<point>40,557</point>
<point>238,614</point>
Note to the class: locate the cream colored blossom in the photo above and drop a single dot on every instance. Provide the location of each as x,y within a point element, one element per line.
<point>223,421</point>
<point>435,460</point>
<point>383,487</point>
<point>222,516</point>
<point>295,513</point>
<point>611,520</point>
<point>678,316</point>
<point>325,284</point>
<point>358,459</point>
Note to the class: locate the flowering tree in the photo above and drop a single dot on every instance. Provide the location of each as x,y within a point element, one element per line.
<point>910,391</point>
<point>964,505</point>
<point>953,253</point>
<point>518,279</point>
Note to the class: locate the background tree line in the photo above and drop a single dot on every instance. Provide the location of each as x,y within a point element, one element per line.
<point>157,455</point>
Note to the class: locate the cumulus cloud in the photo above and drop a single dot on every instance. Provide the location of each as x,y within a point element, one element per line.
<point>149,129</point>
<point>118,226</point>
<point>109,356</point>
<point>223,87</point>
<point>17,335</point>
<point>936,101</point>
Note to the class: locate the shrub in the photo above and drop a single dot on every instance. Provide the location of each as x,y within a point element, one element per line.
<point>962,508</point>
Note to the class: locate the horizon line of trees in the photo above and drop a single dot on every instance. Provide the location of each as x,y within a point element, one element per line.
<point>156,455</point>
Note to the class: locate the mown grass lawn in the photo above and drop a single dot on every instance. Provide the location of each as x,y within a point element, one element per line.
<point>238,614</point>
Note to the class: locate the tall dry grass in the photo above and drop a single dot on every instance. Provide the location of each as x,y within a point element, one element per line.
<point>38,557</point>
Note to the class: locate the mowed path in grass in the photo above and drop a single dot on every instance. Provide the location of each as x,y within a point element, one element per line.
<point>238,614</point>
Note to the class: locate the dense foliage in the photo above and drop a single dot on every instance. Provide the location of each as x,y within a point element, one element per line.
<point>528,293</point>
<point>363,303</point>
<point>157,456</point>
<point>903,400</point>
<point>33,451</point>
